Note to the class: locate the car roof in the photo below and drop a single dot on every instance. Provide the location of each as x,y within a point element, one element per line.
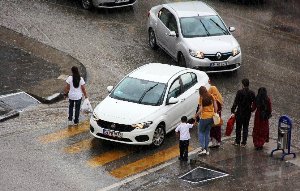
<point>156,72</point>
<point>191,8</point>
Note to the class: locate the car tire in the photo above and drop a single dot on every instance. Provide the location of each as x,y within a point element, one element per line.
<point>158,136</point>
<point>181,60</point>
<point>152,39</point>
<point>86,4</point>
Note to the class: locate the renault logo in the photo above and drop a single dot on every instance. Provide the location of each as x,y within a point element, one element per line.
<point>113,126</point>
<point>219,55</point>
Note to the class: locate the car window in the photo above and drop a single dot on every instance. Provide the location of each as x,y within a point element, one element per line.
<point>163,15</point>
<point>175,89</point>
<point>139,91</point>
<point>168,19</point>
<point>188,80</point>
<point>172,24</point>
<point>202,26</point>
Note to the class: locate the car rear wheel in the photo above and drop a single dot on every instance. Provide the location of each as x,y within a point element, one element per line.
<point>158,136</point>
<point>152,39</point>
<point>87,4</point>
<point>181,60</point>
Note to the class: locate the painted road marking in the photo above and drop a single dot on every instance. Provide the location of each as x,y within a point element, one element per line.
<point>79,146</point>
<point>145,163</point>
<point>107,157</point>
<point>65,133</point>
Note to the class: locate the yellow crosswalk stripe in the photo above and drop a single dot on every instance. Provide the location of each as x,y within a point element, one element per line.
<point>79,146</point>
<point>145,163</point>
<point>107,157</point>
<point>65,133</point>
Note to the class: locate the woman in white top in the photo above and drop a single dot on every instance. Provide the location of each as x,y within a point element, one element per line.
<point>74,89</point>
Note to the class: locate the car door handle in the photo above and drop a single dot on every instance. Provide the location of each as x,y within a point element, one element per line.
<point>182,100</point>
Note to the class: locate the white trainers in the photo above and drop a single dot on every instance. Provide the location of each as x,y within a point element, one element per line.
<point>69,123</point>
<point>202,152</point>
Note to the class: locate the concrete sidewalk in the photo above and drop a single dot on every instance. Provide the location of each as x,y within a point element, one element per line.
<point>245,169</point>
<point>35,68</point>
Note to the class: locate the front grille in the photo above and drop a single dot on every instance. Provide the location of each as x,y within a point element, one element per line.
<point>114,138</point>
<point>112,4</point>
<point>114,126</point>
<point>213,57</point>
<point>217,68</point>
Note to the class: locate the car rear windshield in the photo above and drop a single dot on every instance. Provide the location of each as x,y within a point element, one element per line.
<point>139,91</point>
<point>202,26</point>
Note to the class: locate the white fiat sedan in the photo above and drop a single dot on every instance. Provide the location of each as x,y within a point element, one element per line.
<point>89,4</point>
<point>194,35</point>
<point>148,103</point>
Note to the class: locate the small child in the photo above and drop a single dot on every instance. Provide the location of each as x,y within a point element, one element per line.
<point>183,130</point>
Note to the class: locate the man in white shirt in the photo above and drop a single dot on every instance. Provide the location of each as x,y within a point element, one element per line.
<point>183,130</point>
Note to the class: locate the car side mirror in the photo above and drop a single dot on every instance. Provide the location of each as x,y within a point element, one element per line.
<point>173,100</point>
<point>173,34</point>
<point>231,29</point>
<point>110,88</point>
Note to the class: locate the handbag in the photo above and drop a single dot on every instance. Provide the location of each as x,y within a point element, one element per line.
<point>230,125</point>
<point>216,118</point>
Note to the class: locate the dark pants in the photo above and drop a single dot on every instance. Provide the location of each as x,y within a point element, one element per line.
<point>183,147</point>
<point>242,123</point>
<point>77,110</point>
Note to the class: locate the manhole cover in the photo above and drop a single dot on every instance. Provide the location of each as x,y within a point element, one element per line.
<point>19,101</point>
<point>201,174</point>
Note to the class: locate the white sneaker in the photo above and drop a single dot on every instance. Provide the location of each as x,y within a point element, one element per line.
<point>69,123</point>
<point>207,153</point>
<point>202,152</point>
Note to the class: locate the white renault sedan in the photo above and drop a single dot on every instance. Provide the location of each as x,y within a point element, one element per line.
<point>194,35</point>
<point>148,103</point>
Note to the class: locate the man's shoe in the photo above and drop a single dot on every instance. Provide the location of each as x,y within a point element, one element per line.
<point>69,123</point>
<point>243,145</point>
<point>236,144</point>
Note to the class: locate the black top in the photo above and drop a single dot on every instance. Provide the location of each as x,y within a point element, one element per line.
<point>243,101</point>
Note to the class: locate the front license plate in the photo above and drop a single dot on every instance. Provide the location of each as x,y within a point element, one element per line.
<point>121,1</point>
<point>216,64</point>
<point>112,133</point>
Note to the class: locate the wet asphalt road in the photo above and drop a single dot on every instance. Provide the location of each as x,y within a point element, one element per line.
<point>110,43</point>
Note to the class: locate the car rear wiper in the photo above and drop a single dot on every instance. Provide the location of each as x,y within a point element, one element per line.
<point>208,34</point>
<point>224,31</point>
<point>142,97</point>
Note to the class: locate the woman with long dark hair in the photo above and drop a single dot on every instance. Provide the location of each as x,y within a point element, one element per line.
<point>74,89</point>
<point>262,105</point>
<point>207,108</point>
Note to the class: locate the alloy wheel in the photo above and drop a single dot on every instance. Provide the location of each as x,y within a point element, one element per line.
<point>86,4</point>
<point>158,137</point>
<point>152,39</point>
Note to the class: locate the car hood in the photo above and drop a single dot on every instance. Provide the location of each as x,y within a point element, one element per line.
<point>124,112</point>
<point>212,44</point>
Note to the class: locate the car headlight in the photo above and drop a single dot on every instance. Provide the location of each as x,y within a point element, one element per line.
<point>197,54</point>
<point>143,125</point>
<point>95,117</point>
<point>236,51</point>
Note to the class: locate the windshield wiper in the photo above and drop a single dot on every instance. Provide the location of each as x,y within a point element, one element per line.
<point>142,97</point>
<point>224,31</point>
<point>208,34</point>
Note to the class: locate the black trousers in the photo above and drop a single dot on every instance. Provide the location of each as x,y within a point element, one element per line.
<point>183,147</point>
<point>242,123</point>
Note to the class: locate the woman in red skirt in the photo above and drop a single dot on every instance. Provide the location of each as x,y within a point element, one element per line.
<point>262,105</point>
<point>215,132</point>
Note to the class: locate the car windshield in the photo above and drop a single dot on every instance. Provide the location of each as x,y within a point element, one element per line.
<point>139,91</point>
<point>202,26</point>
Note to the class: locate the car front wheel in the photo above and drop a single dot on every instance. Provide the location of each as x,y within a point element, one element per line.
<point>158,137</point>
<point>181,60</point>
<point>87,4</point>
<point>152,39</point>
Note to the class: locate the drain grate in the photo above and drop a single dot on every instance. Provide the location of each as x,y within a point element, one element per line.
<point>201,174</point>
<point>19,101</point>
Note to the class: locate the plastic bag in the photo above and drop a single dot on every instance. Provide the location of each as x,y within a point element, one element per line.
<point>230,125</point>
<point>86,106</point>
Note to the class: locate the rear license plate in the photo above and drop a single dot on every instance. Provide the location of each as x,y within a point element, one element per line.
<point>121,1</point>
<point>112,133</point>
<point>217,64</point>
